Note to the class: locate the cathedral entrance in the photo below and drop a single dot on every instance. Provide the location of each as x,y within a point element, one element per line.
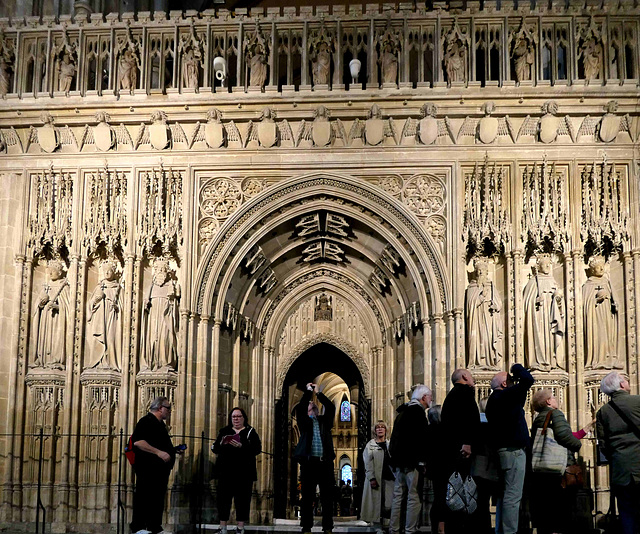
<point>324,364</point>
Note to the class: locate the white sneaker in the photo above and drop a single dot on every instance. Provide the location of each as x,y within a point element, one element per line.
<point>143,531</point>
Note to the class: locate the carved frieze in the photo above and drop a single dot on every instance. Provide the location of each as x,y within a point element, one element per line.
<point>104,137</point>
<point>487,129</point>
<point>159,134</point>
<point>50,213</point>
<point>604,222</point>
<point>486,226</point>
<point>160,220</point>
<point>545,207</point>
<point>50,138</point>
<point>105,214</point>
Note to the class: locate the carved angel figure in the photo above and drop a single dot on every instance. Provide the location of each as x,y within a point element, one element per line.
<point>66,72</point>
<point>104,320</point>
<point>600,318</point>
<point>544,324</point>
<point>49,342</point>
<point>483,319</point>
<point>160,321</point>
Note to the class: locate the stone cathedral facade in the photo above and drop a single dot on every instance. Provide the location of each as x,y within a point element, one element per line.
<point>218,206</point>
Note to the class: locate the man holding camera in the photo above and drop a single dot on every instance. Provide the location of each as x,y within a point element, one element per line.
<point>510,437</point>
<point>315,455</point>
<point>154,459</point>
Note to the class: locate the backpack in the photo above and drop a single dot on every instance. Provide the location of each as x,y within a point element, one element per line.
<point>130,451</point>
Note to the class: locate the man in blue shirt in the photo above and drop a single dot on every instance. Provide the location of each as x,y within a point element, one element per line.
<point>315,455</point>
<point>510,436</point>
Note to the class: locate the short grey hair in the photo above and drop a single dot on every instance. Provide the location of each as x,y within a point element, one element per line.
<point>611,383</point>
<point>420,392</point>
<point>457,375</point>
<point>156,404</point>
<point>496,381</point>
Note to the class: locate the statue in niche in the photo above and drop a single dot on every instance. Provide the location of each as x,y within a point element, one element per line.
<point>389,62</point>
<point>49,342</point>
<point>591,54</point>
<point>128,71</point>
<point>160,321</point>
<point>66,72</point>
<point>600,318</point>
<point>455,54</point>
<point>483,319</point>
<point>323,310</point>
<point>256,53</point>
<point>4,76</point>
<point>104,320</point>
<point>523,55</point>
<point>321,63</point>
<point>544,323</point>
<point>192,49</point>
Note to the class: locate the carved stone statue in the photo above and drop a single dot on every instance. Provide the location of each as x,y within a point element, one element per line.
<point>66,72</point>
<point>128,71</point>
<point>256,53</point>
<point>600,319</point>
<point>321,63</point>
<point>104,320</point>
<point>483,320</point>
<point>454,61</point>
<point>523,56</point>
<point>544,323</point>
<point>190,70</point>
<point>323,310</point>
<point>160,321</point>
<point>389,63</point>
<point>49,345</point>
<point>4,76</point>
<point>591,54</point>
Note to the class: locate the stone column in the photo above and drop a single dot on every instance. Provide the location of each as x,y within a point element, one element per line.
<point>440,357</point>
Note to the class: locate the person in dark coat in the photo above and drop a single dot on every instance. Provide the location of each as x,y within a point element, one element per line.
<point>621,446</point>
<point>155,456</point>
<point>315,455</point>
<point>237,446</point>
<point>437,471</point>
<point>550,502</point>
<point>409,450</point>
<point>510,437</point>
<point>460,419</point>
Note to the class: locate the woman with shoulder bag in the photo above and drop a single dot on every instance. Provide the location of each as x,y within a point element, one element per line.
<point>551,502</point>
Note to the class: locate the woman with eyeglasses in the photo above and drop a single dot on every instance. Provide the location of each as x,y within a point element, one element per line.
<point>378,487</point>
<point>237,446</point>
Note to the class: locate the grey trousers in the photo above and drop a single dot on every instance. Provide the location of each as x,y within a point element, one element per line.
<point>406,485</point>
<point>513,465</point>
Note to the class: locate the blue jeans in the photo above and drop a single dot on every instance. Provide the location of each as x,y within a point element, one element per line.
<point>513,465</point>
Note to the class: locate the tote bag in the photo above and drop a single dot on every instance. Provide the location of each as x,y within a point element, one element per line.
<point>462,494</point>
<point>548,456</point>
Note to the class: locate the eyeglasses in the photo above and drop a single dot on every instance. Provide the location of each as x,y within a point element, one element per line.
<point>167,407</point>
<point>236,416</point>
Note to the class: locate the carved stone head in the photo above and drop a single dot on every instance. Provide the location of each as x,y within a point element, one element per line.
<point>160,271</point>
<point>481,268</point>
<point>56,269</point>
<point>543,263</point>
<point>597,265</point>
<point>109,270</point>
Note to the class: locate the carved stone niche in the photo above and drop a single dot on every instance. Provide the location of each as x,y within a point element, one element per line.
<point>595,398</point>
<point>154,384</point>
<point>556,381</point>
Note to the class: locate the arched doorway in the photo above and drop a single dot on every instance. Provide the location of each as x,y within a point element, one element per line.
<point>315,361</point>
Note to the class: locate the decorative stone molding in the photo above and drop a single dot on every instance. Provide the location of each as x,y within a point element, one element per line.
<point>287,360</point>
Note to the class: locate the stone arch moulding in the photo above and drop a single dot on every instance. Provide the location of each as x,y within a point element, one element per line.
<point>287,361</point>
<point>357,191</point>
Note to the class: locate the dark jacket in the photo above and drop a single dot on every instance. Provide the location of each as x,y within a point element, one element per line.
<point>561,432</point>
<point>150,429</point>
<point>305,424</point>
<point>409,441</point>
<point>505,413</point>
<point>460,418</point>
<point>621,445</point>
<point>237,462</point>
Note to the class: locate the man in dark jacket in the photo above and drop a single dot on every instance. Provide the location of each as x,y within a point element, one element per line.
<point>155,456</point>
<point>408,449</point>
<point>510,437</point>
<point>622,447</point>
<point>315,455</point>
<point>461,426</point>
